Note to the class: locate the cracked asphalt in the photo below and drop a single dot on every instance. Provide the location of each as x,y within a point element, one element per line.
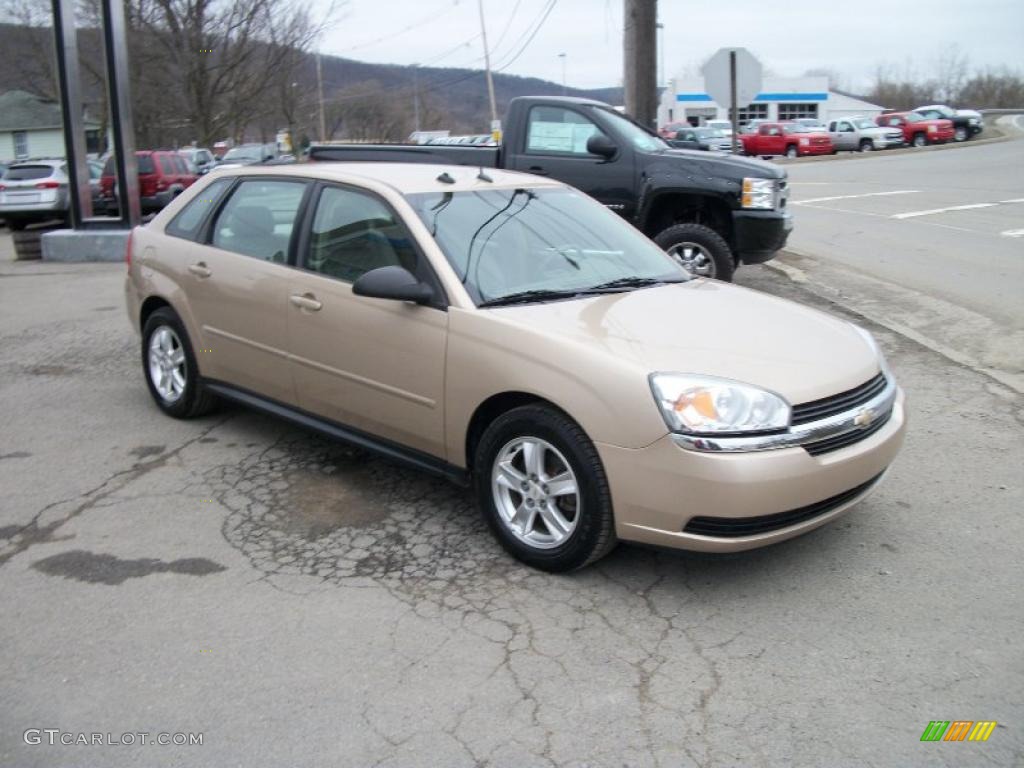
<point>301,603</point>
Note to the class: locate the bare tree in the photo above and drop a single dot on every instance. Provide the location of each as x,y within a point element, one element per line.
<point>951,72</point>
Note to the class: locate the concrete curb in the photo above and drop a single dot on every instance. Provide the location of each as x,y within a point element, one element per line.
<point>85,245</point>
<point>900,151</point>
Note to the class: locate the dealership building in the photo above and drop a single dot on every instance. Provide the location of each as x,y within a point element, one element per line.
<point>780,98</point>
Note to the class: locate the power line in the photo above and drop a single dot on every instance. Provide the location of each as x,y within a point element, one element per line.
<point>540,23</point>
<point>508,26</point>
<point>415,25</point>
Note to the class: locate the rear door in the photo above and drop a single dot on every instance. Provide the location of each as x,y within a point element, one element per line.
<point>236,280</point>
<point>555,144</point>
<point>770,140</point>
<point>372,364</point>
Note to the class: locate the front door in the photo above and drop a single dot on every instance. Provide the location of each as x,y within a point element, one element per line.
<point>371,364</point>
<point>556,146</point>
<point>237,286</point>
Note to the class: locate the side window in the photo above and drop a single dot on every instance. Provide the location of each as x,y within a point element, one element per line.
<point>258,219</point>
<point>559,131</point>
<point>189,220</point>
<point>845,127</point>
<point>832,127</point>
<point>354,232</point>
<point>166,165</point>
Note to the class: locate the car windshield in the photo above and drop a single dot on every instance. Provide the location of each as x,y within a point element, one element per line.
<point>721,124</point>
<point>914,117</point>
<point>710,133</point>
<point>27,172</point>
<point>795,128</point>
<point>243,153</point>
<point>943,111</point>
<point>512,242</point>
<point>637,136</point>
<point>863,123</point>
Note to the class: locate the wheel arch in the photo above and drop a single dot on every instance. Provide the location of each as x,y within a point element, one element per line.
<point>671,207</point>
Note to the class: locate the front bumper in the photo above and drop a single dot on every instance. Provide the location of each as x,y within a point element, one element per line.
<point>659,490</point>
<point>760,234</point>
<point>815,149</point>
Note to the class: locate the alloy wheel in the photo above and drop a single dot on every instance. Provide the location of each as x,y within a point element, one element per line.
<point>694,258</point>
<point>535,492</point>
<point>167,367</point>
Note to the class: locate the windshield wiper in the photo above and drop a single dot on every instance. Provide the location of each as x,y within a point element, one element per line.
<point>634,282</point>
<point>537,294</point>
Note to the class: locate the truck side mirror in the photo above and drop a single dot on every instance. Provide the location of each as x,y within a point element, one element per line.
<point>602,146</point>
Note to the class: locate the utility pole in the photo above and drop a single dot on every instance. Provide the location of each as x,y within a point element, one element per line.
<point>495,125</point>
<point>320,96</point>
<point>562,57</point>
<point>416,95</point>
<point>640,50</point>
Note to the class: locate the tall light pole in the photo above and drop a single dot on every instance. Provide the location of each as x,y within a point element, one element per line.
<point>495,126</point>
<point>562,57</point>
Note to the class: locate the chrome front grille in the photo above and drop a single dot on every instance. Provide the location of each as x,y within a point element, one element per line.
<point>835,404</point>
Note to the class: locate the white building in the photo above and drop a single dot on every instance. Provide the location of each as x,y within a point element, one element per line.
<point>781,98</point>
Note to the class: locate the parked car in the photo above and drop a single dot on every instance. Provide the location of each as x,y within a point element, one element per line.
<point>163,175</point>
<point>201,160</point>
<point>247,154</point>
<point>722,125</point>
<point>34,190</point>
<point>965,126</point>
<point>918,130</point>
<point>703,139</point>
<point>976,119</point>
<point>811,122</point>
<point>710,212</point>
<point>789,139</point>
<point>859,134</point>
<point>669,130</point>
<point>751,126</point>
<point>513,335</point>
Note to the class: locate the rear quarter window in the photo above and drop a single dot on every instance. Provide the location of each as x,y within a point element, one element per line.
<point>188,224</point>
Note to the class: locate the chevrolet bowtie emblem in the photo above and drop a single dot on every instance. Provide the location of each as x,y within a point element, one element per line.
<point>864,418</point>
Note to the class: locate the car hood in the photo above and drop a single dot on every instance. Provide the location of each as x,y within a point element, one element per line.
<point>712,328</point>
<point>717,165</point>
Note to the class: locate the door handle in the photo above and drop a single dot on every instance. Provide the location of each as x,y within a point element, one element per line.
<point>306,301</point>
<point>200,269</point>
<point>538,170</point>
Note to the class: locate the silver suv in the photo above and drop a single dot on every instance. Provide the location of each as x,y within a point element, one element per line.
<point>37,190</point>
<point>860,134</point>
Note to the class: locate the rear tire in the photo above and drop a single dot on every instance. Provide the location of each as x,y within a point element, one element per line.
<point>178,391</point>
<point>700,250</point>
<point>518,497</point>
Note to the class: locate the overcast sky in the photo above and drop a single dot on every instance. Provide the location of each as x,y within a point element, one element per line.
<point>789,36</point>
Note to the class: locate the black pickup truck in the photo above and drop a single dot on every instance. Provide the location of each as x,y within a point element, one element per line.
<point>712,212</point>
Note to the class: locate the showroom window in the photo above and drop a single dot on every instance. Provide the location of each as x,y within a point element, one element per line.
<point>795,111</point>
<point>752,112</point>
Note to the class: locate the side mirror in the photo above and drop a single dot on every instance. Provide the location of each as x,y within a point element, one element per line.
<point>395,283</point>
<point>602,146</point>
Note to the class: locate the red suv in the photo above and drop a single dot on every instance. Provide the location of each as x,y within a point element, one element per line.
<point>918,130</point>
<point>163,175</point>
<point>786,138</point>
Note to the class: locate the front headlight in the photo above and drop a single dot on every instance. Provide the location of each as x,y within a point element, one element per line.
<point>932,128</point>
<point>804,142</point>
<point>708,405</point>
<point>759,193</point>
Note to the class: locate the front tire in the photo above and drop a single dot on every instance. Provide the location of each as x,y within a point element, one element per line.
<point>791,151</point>
<point>699,250</point>
<point>542,489</point>
<point>919,140</point>
<point>170,368</point>
<point>960,134</point>
<point>866,146</point>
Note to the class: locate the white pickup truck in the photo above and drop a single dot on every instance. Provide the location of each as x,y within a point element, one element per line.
<point>860,134</point>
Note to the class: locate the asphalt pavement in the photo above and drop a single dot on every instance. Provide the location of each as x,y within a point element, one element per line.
<point>299,603</point>
<point>931,243</point>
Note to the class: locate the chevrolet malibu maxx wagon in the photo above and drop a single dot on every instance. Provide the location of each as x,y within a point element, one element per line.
<point>510,333</point>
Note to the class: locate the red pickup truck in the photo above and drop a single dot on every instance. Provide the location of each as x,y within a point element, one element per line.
<point>785,138</point>
<point>918,130</point>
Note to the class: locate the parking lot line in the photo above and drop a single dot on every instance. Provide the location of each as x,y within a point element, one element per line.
<point>934,211</point>
<point>851,197</point>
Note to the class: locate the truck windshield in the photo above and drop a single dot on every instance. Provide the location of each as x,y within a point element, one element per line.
<point>864,123</point>
<point>633,133</point>
<point>505,242</point>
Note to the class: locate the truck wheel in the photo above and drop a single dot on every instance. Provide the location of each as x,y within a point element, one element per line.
<point>700,250</point>
<point>919,140</point>
<point>791,151</point>
<point>866,145</point>
<point>960,134</point>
